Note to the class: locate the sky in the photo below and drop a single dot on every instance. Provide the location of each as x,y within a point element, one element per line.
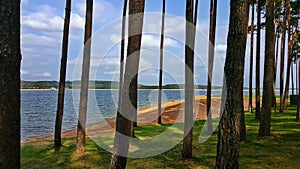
<point>41,38</point>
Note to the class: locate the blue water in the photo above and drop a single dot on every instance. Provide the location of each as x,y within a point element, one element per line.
<point>38,108</point>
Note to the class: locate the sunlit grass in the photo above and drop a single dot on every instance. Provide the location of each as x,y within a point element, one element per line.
<point>281,150</point>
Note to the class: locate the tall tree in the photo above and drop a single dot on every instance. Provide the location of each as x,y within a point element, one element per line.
<point>62,80</point>
<point>122,55</point>
<point>161,60</point>
<point>10,59</point>
<point>282,54</point>
<point>257,71</point>
<point>289,58</point>
<point>190,33</point>
<point>211,54</point>
<point>124,121</point>
<point>265,117</point>
<point>229,127</point>
<point>80,141</point>
<point>251,57</point>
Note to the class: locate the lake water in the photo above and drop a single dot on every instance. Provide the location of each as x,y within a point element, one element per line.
<point>38,108</point>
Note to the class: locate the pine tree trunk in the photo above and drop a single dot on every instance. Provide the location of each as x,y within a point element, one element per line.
<point>122,56</point>
<point>161,61</point>
<point>229,128</point>
<point>257,71</point>
<point>10,59</point>
<point>191,19</point>
<point>282,53</point>
<point>62,80</point>
<point>289,58</point>
<point>251,59</point>
<point>124,121</point>
<point>265,118</point>
<point>81,133</point>
<point>211,54</point>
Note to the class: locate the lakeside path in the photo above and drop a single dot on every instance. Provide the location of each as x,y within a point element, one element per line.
<point>173,112</point>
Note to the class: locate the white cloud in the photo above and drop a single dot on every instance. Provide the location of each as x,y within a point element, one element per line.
<point>46,74</point>
<point>45,18</point>
<point>221,48</point>
<point>24,72</point>
<point>77,21</point>
<point>154,41</point>
<point>37,40</point>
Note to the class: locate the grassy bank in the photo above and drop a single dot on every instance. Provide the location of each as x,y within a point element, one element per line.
<point>281,150</point>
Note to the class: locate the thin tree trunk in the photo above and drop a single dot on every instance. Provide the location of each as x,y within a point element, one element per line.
<point>62,80</point>
<point>282,53</point>
<point>123,36</point>
<point>161,60</point>
<point>265,118</point>
<point>211,54</point>
<point>191,21</point>
<point>298,105</point>
<point>257,76</point>
<point>229,128</point>
<point>289,58</point>
<point>251,59</point>
<point>80,141</point>
<point>276,55</point>
<point>10,59</point>
<point>124,121</point>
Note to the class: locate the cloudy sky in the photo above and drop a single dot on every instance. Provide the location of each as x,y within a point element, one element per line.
<point>42,26</point>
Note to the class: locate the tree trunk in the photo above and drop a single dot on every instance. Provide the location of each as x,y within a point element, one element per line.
<point>289,58</point>
<point>251,59</point>
<point>277,36</point>
<point>257,71</point>
<point>282,53</point>
<point>190,32</point>
<point>80,141</point>
<point>124,121</point>
<point>62,80</point>
<point>229,128</point>
<point>211,55</point>
<point>265,118</point>
<point>161,60</point>
<point>122,56</point>
<point>10,59</point>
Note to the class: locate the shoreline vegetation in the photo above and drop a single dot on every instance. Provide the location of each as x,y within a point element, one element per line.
<point>99,85</point>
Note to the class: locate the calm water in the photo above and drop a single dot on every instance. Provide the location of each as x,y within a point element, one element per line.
<point>38,108</point>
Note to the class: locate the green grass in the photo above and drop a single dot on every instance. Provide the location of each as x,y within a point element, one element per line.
<point>281,150</point>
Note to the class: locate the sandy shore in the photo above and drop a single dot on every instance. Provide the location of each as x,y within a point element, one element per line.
<point>172,112</point>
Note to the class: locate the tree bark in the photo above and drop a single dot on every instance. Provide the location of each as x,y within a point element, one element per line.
<point>265,118</point>
<point>251,59</point>
<point>124,121</point>
<point>161,60</point>
<point>211,54</point>
<point>257,72</point>
<point>289,58</point>
<point>229,127</point>
<point>190,32</point>
<point>122,56</point>
<point>62,81</point>
<point>282,53</point>
<point>10,59</point>
<point>81,133</point>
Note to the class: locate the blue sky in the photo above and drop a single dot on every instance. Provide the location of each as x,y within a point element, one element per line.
<point>42,23</point>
